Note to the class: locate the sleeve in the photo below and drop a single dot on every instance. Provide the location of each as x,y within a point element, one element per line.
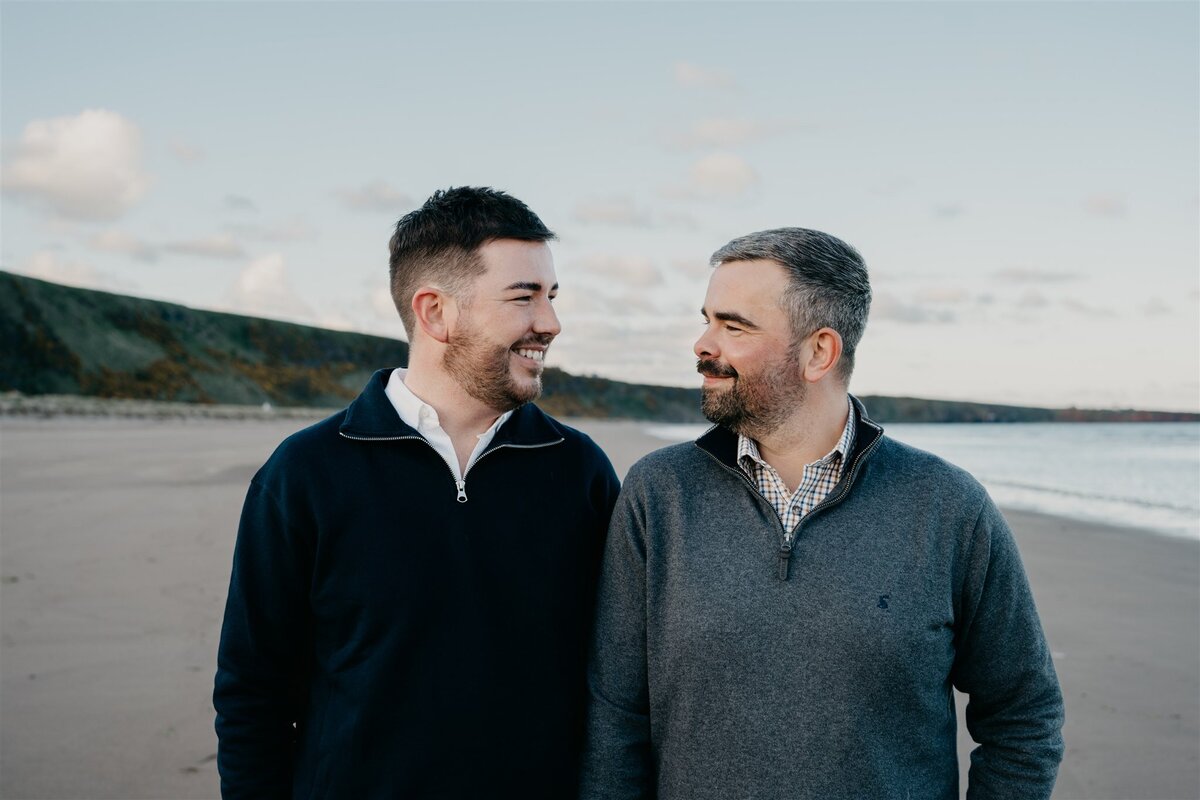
<point>616,756</point>
<point>260,685</point>
<point>1002,662</point>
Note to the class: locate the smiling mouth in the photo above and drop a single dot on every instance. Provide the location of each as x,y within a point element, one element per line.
<point>537,356</point>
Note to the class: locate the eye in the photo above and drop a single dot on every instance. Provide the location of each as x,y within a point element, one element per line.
<point>553,297</point>
<point>522,299</point>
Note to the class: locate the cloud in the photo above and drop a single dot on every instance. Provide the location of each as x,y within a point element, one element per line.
<point>1086,310</point>
<point>948,210</point>
<point>262,289</point>
<point>49,266</point>
<point>694,76</point>
<point>944,295</point>
<point>122,243</point>
<point>220,245</point>
<point>629,271</point>
<point>717,176</point>
<point>1033,299</point>
<point>381,304</point>
<point>376,196</point>
<point>1027,275</point>
<point>889,307</point>
<point>1105,205</point>
<point>1155,307</point>
<point>730,132</point>
<point>186,152</point>
<point>295,229</point>
<point>612,211</point>
<point>696,268</point>
<point>237,202</point>
<point>86,167</point>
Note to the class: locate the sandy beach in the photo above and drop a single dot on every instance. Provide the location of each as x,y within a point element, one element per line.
<point>115,543</point>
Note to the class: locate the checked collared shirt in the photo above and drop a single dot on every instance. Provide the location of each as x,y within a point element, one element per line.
<point>819,477</point>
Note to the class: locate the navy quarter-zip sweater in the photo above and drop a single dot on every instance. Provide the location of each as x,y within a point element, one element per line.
<point>728,666</point>
<point>382,639</point>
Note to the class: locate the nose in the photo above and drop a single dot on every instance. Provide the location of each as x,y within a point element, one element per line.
<point>705,347</point>
<point>546,321</point>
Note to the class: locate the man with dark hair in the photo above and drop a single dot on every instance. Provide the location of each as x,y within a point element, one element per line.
<point>413,577</point>
<point>786,603</point>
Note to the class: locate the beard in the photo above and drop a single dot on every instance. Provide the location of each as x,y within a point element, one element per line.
<point>484,371</point>
<point>757,403</point>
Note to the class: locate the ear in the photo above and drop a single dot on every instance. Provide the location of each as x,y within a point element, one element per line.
<point>433,311</point>
<point>820,354</point>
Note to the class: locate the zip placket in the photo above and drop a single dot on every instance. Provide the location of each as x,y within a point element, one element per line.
<point>785,546</point>
<point>459,485</point>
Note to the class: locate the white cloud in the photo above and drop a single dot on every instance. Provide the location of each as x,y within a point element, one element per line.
<point>1028,275</point>
<point>1155,307</point>
<point>1105,205</point>
<point>376,196</point>
<point>49,266</point>
<point>123,243</point>
<point>262,289</point>
<point>717,176</point>
<point>729,132</point>
<point>949,210</point>
<point>1086,310</point>
<point>186,152</point>
<point>694,76</point>
<point>889,307</point>
<point>723,174</point>
<point>627,271</point>
<point>1033,299</point>
<point>239,202</point>
<point>381,304</point>
<point>86,167</point>
<point>612,211</point>
<point>220,245</point>
<point>943,295</point>
<point>695,268</point>
<point>294,229</point>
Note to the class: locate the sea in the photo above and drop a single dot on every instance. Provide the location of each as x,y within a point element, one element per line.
<point>1142,475</point>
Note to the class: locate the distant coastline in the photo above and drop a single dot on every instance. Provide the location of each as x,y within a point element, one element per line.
<point>81,352</point>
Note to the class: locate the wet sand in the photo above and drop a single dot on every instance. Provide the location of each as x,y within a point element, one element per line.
<point>115,545</point>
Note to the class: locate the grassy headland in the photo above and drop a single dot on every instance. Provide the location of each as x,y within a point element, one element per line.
<point>64,341</point>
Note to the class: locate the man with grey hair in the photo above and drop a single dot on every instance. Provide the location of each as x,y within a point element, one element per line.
<point>787,603</point>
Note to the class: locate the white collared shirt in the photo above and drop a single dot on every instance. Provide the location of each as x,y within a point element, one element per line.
<point>418,414</point>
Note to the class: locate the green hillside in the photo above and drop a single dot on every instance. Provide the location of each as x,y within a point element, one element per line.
<point>59,340</point>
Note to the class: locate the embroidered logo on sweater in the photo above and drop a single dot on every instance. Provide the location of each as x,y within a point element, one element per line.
<point>883,598</point>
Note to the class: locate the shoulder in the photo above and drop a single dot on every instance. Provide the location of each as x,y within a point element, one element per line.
<point>575,444</point>
<point>924,473</point>
<point>670,466</point>
<point>303,450</point>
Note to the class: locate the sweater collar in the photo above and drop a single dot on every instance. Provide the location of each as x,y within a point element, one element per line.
<point>372,416</point>
<point>722,443</point>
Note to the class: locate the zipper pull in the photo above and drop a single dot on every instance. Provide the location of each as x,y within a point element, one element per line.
<point>785,554</point>
<point>462,491</point>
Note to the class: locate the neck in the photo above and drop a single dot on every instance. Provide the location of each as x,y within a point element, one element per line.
<point>807,435</point>
<point>462,416</point>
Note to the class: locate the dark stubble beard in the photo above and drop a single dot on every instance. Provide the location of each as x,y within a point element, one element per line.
<point>757,403</point>
<point>484,371</point>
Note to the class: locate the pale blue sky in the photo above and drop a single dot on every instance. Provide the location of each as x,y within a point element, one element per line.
<point>1022,178</point>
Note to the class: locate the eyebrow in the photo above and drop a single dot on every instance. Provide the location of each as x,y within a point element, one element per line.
<point>528,286</point>
<point>730,316</point>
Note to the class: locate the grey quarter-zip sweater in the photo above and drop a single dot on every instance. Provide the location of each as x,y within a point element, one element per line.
<point>726,665</point>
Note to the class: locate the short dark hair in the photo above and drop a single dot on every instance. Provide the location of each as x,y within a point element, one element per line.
<point>828,284</point>
<point>439,241</point>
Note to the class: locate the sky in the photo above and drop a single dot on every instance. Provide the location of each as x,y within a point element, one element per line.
<point>1022,178</point>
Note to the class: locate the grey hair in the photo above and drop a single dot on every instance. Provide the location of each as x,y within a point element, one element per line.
<point>827,282</point>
